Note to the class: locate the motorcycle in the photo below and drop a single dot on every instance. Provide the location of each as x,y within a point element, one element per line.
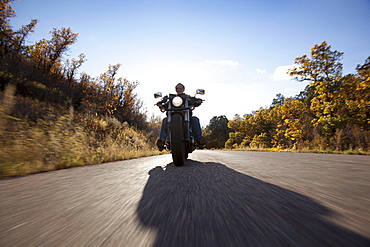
<point>180,141</point>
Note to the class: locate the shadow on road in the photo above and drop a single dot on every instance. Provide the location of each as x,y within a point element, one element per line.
<point>209,204</point>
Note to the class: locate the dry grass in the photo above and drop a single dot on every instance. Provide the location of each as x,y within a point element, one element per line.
<point>55,142</point>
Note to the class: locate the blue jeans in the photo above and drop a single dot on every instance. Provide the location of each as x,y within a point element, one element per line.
<point>195,125</point>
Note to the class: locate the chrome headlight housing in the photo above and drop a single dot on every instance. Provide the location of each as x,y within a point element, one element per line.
<point>177,101</point>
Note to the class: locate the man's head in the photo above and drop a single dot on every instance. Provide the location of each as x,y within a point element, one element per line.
<point>180,88</point>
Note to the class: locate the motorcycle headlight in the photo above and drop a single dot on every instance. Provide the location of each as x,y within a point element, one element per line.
<point>177,101</point>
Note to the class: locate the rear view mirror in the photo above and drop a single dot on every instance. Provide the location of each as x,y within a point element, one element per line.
<point>158,95</point>
<point>200,91</point>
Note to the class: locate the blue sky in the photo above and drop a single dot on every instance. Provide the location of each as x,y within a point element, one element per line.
<point>237,50</point>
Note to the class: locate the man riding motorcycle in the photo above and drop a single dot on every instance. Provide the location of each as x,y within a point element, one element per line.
<point>197,132</point>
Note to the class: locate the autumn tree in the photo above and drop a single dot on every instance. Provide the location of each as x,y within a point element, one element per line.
<point>130,106</point>
<point>20,36</point>
<point>12,43</point>
<point>356,94</point>
<point>108,95</point>
<point>48,53</point>
<point>6,32</point>
<point>293,123</point>
<point>70,67</point>
<point>353,99</point>
<point>323,71</point>
<point>239,128</point>
<point>258,126</point>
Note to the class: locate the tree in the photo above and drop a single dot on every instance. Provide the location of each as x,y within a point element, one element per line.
<point>108,96</point>
<point>6,32</point>
<point>240,131</point>
<point>354,97</point>
<point>19,37</point>
<point>71,66</point>
<point>363,93</point>
<point>129,105</point>
<point>48,53</point>
<point>217,132</point>
<point>323,70</point>
<point>12,41</point>
<point>292,120</point>
<point>279,100</point>
<point>259,123</point>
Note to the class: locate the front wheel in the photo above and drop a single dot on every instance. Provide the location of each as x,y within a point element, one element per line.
<point>177,140</point>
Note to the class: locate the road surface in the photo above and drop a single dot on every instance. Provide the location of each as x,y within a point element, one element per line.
<point>218,198</point>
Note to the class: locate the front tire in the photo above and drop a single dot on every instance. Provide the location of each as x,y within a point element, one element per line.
<point>177,140</point>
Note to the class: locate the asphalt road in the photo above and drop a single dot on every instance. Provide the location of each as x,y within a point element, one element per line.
<point>218,198</point>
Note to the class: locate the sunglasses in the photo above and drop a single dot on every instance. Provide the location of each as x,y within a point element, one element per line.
<point>179,88</point>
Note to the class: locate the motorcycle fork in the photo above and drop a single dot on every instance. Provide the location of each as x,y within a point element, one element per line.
<point>187,125</point>
<point>188,138</point>
<point>168,129</point>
